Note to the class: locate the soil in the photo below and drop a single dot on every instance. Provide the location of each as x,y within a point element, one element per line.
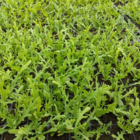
<point>55,137</point>
<point>104,137</point>
<point>137,135</point>
<point>8,136</point>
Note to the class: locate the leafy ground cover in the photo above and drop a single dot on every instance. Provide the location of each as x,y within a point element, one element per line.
<point>66,66</point>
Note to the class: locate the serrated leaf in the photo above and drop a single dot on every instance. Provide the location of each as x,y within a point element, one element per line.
<point>81,115</point>
<point>51,130</point>
<point>57,83</point>
<point>25,67</point>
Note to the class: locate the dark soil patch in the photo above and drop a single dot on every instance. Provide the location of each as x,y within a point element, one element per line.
<point>8,136</point>
<point>137,135</point>
<point>55,137</point>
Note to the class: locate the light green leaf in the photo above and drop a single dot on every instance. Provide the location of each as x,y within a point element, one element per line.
<point>136,121</point>
<point>25,67</point>
<point>81,115</point>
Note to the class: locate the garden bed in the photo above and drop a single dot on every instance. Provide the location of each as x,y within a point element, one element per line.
<point>69,70</point>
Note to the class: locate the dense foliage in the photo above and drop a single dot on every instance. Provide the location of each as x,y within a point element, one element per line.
<point>69,62</point>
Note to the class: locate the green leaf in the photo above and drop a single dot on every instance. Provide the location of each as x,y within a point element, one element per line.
<point>13,131</point>
<point>2,130</point>
<point>25,67</point>
<point>81,115</point>
<point>57,83</point>
<point>51,130</point>
<point>136,121</point>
